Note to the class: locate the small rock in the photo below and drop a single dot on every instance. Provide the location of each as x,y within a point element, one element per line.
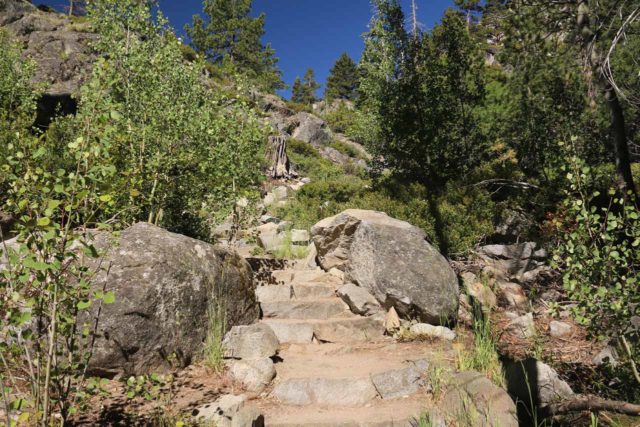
<point>425,329</point>
<point>281,193</point>
<point>309,262</point>
<point>464,310</point>
<point>250,342</point>
<point>479,291</point>
<point>337,273</point>
<point>267,219</point>
<point>268,236</point>
<point>494,272</point>
<point>359,300</point>
<point>523,326</point>
<point>300,237</point>
<point>296,185</point>
<point>608,355</point>
<point>512,294</point>
<point>551,295</point>
<point>559,329</point>
<point>392,320</point>
<point>397,383</point>
<point>230,411</point>
<point>305,180</point>
<point>255,375</point>
<point>269,199</point>
<point>284,226</point>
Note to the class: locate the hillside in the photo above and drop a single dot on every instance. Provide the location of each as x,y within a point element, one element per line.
<point>448,238</point>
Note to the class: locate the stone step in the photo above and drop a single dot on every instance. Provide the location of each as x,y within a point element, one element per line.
<point>306,309</point>
<point>310,290</point>
<point>390,413</point>
<point>317,276</point>
<point>270,293</point>
<point>346,330</point>
<point>350,375</point>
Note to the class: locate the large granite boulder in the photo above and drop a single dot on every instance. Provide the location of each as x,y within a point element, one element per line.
<point>309,128</point>
<point>391,259</point>
<point>164,284</point>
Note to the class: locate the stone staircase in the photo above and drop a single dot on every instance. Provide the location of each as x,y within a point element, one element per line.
<point>336,368</point>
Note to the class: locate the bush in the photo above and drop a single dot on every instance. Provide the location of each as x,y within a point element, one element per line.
<point>346,149</point>
<point>598,250</point>
<point>341,119</point>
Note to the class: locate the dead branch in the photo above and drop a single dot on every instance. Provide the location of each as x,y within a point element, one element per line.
<point>507,183</point>
<point>589,403</point>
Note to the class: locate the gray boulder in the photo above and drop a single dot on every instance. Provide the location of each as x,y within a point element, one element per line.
<point>391,259</point>
<point>359,300</point>
<point>514,260</point>
<point>255,341</point>
<point>309,128</point>
<point>532,380</point>
<point>164,284</point>
<point>254,374</point>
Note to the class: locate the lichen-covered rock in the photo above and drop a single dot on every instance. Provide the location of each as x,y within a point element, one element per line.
<point>164,284</point>
<point>391,259</point>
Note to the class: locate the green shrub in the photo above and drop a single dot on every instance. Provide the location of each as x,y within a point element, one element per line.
<point>346,149</point>
<point>341,119</point>
<point>598,250</point>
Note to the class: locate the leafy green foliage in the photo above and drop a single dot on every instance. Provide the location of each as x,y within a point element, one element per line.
<point>421,91</point>
<point>187,153</point>
<point>342,82</point>
<point>341,118</point>
<point>228,32</point>
<point>599,237</point>
<point>455,221</point>
<point>57,193</point>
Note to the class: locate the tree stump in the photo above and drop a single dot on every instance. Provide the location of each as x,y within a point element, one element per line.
<point>279,164</point>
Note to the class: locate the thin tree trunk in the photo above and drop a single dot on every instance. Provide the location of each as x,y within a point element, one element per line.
<point>621,146</point>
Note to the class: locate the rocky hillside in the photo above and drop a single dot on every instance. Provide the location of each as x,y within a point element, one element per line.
<point>307,306</point>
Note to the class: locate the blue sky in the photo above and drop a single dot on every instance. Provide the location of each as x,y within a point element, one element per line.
<point>308,33</point>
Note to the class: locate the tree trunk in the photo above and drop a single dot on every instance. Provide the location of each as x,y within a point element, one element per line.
<point>621,146</point>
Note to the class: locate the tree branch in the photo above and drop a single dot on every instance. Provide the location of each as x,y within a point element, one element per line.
<point>589,403</point>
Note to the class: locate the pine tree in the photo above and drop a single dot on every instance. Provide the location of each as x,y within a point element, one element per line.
<point>297,93</point>
<point>310,86</point>
<point>343,80</point>
<point>228,32</point>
